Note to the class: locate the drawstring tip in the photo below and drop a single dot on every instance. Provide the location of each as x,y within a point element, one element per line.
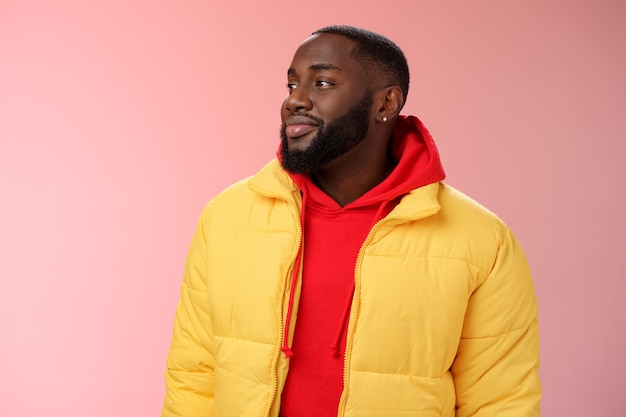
<point>288,352</point>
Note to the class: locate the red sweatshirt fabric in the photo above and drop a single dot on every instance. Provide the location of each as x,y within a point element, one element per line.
<point>333,236</point>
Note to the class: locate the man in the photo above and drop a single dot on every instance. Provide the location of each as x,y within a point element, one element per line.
<point>345,279</point>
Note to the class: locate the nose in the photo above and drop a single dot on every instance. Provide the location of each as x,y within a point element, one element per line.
<point>298,100</point>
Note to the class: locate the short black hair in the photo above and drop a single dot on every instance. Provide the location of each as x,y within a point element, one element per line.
<point>375,51</point>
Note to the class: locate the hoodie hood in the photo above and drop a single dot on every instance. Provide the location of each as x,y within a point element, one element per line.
<point>419,164</point>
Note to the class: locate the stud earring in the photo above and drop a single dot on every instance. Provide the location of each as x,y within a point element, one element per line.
<point>384,118</point>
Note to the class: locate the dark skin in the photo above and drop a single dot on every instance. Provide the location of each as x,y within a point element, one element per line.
<point>325,81</point>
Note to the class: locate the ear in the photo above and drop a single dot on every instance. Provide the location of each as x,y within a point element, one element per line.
<point>390,101</point>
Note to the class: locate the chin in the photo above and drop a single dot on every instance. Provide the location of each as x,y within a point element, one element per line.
<point>299,144</point>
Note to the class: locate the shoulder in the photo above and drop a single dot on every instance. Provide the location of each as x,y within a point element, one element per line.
<point>458,206</point>
<point>257,199</point>
<point>464,229</point>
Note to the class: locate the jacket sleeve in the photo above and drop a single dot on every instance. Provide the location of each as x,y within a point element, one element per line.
<point>189,375</point>
<point>497,363</point>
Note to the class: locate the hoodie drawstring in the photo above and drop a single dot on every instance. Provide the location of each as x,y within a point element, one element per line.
<point>383,210</point>
<point>294,279</point>
<point>344,319</point>
<point>296,268</point>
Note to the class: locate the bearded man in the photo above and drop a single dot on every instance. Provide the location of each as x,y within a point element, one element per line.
<point>345,278</point>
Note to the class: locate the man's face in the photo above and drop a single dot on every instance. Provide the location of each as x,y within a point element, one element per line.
<point>327,111</point>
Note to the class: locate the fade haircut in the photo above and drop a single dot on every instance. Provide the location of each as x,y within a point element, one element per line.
<point>375,52</point>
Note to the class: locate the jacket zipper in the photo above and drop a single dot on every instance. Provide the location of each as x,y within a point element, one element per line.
<point>281,326</point>
<point>355,300</point>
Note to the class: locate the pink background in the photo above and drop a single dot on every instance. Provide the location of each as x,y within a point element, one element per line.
<point>119,120</point>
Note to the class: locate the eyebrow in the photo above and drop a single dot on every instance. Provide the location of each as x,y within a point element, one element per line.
<point>317,67</point>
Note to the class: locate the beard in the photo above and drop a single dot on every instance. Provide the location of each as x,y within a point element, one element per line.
<point>331,142</point>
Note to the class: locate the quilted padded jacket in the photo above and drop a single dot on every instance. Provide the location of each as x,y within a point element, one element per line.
<point>443,320</point>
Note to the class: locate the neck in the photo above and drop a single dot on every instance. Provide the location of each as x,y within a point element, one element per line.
<point>345,185</point>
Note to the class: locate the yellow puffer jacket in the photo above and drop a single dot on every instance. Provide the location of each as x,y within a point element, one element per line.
<point>443,321</point>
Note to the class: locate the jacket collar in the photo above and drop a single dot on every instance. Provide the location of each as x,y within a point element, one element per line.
<point>417,204</point>
<point>273,182</point>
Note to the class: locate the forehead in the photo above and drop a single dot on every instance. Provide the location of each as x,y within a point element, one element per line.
<point>326,49</point>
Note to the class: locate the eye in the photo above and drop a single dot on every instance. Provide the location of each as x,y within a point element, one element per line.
<point>291,86</point>
<point>324,83</point>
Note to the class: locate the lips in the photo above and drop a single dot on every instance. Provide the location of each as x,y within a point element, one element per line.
<point>296,126</point>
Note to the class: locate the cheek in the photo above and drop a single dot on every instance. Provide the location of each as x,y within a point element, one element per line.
<point>338,105</point>
<point>283,110</point>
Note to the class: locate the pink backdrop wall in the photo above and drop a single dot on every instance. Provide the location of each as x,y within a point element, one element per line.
<point>119,120</point>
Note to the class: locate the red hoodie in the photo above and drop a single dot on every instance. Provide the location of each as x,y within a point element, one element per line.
<point>332,239</point>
